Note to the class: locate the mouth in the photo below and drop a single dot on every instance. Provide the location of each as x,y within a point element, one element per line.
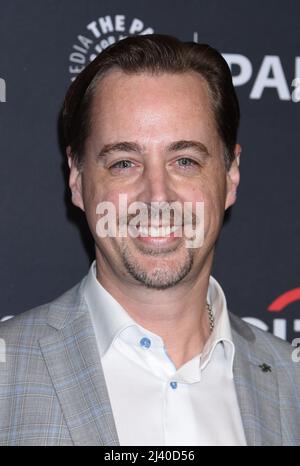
<point>157,231</point>
<point>156,236</point>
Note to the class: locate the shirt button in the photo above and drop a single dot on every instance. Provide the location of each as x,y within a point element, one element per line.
<point>145,343</point>
<point>173,385</point>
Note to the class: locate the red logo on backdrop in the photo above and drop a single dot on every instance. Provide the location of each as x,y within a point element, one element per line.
<point>277,322</point>
<point>284,300</point>
<point>286,328</point>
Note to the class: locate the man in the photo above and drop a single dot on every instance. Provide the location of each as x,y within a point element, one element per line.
<point>143,351</point>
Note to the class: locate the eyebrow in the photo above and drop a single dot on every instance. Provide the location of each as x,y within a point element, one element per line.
<point>123,146</point>
<point>126,146</point>
<point>184,144</point>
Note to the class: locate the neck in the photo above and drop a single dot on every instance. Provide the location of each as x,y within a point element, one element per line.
<point>178,315</point>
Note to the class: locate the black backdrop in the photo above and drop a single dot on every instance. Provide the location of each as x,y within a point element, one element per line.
<point>43,44</point>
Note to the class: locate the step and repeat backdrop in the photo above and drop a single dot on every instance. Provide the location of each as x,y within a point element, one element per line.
<point>45,247</point>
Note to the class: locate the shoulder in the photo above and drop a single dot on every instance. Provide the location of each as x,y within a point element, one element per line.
<point>259,343</point>
<point>29,326</point>
<point>251,332</point>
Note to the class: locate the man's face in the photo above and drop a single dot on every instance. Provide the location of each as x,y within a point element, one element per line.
<point>170,151</point>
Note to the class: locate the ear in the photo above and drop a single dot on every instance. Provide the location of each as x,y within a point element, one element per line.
<point>233,178</point>
<point>75,180</point>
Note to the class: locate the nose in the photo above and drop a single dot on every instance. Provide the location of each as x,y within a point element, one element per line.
<point>157,184</point>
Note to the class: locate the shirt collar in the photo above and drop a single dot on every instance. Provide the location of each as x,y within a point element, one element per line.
<point>110,321</point>
<point>108,316</point>
<point>222,330</point>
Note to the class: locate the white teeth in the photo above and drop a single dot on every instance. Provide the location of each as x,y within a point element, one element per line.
<point>157,231</point>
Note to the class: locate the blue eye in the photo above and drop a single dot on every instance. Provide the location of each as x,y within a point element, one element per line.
<point>187,162</point>
<point>122,164</point>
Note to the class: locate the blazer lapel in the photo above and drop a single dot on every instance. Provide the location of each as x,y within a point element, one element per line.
<point>71,355</point>
<point>257,387</point>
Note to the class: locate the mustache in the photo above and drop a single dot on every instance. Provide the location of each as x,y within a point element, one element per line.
<point>152,215</point>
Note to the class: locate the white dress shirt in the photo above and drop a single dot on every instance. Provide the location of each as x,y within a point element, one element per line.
<point>152,402</point>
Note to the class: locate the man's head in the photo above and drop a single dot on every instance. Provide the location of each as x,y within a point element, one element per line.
<point>136,113</point>
<point>154,54</point>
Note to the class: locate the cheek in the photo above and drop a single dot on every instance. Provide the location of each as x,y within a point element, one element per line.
<point>94,189</point>
<point>215,187</point>
<point>95,192</point>
<point>214,208</point>
<point>212,194</point>
<point>91,195</point>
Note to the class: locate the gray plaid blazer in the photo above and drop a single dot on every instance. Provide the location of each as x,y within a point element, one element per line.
<point>53,391</point>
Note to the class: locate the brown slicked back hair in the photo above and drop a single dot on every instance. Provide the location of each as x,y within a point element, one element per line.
<point>154,54</point>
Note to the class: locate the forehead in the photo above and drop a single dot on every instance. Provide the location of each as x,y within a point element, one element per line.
<point>125,104</point>
<point>117,84</point>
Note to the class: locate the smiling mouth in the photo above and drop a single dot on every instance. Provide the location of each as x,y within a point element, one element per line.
<point>161,236</point>
<point>157,232</point>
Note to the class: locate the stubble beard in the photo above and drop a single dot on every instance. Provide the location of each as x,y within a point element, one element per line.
<point>163,275</point>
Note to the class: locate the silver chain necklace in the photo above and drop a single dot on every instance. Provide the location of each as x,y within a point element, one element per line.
<point>211,317</point>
